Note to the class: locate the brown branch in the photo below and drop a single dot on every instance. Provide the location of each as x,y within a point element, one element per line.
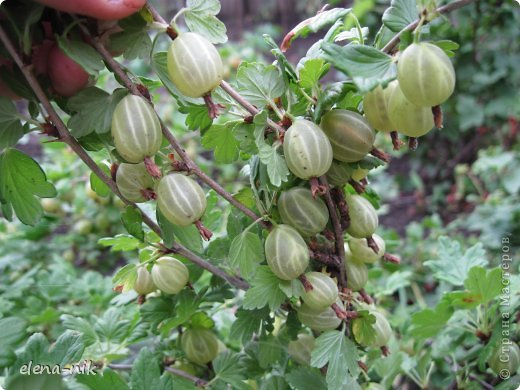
<point>441,10</point>
<point>67,138</point>
<point>191,166</point>
<point>338,233</point>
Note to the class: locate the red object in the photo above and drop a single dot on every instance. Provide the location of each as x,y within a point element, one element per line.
<point>66,75</point>
<point>99,9</point>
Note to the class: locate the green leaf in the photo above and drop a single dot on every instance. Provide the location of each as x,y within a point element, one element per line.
<point>275,163</point>
<point>107,380</point>
<point>82,53</point>
<point>145,371</point>
<point>428,322</point>
<point>92,110</point>
<point>98,185</point>
<point>120,242</point>
<point>270,351</point>
<point>244,134</point>
<point>451,264</point>
<point>229,369</point>
<point>486,285</point>
<point>340,353</point>
<point>200,18</point>
<point>389,367</point>
<point>448,46</point>
<point>314,24</point>
<point>133,222</point>
<point>134,42</point>
<point>81,325</point>
<point>197,116</point>
<point>400,14</point>
<point>201,320</point>
<point>246,252</point>
<point>126,277</point>
<point>368,67</point>
<point>223,141</point>
<point>306,378</point>
<point>259,84</point>
<point>284,64</point>
<point>67,349</point>
<point>265,290</point>
<point>364,324</point>
<point>13,331</point>
<point>156,310</point>
<point>43,381</point>
<point>311,73</point>
<point>247,323</point>
<point>21,181</point>
<point>332,94</point>
<point>481,288</point>
<point>189,236</point>
<point>11,129</point>
<point>187,305</point>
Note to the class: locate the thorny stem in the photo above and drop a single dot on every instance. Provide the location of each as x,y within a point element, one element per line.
<point>338,234</point>
<point>366,298</point>
<point>441,10</point>
<point>325,258</point>
<point>67,138</point>
<point>339,198</point>
<point>380,154</point>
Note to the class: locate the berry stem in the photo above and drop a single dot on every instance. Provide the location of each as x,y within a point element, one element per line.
<point>412,143</point>
<point>358,187</point>
<point>437,116</point>
<point>204,231</point>
<point>306,283</point>
<point>366,298</point>
<point>391,258</point>
<point>213,108</point>
<point>380,154</point>
<point>152,168</point>
<point>317,188</point>
<point>372,244</point>
<point>148,193</point>
<point>395,140</point>
<point>325,258</point>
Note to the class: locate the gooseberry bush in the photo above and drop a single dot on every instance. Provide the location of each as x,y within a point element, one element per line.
<point>290,249</point>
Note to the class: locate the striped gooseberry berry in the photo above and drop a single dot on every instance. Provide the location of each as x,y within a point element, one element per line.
<point>324,291</point>
<point>132,180</point>
<point>299,209</point>
<point>144,283</point>
<point>199,345</point>
<point>194,65</point>
<point>300,349</point>
<point>375,106</point>
<point>286,252</point>
<point>426,75</point>
<point>180,199</point>
<point>136,129</point>
<point>307,150</point>
<point>409,119</point>
<point>505,357</point>
<point>363,253</point>
<point>349,133</point>
<point>382,329</point>
<point>320,320</point>
<point>363,216</point>
<point>169,274</point>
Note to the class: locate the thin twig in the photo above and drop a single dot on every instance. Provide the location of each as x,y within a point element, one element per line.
<point>192,166</point>
<point>338,233</point>
<point>67,138</point>
<point>442,10</point>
